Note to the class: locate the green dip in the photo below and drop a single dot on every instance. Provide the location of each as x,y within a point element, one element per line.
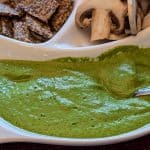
<point>77,97</point>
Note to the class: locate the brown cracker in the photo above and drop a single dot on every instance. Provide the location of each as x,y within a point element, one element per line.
<point>38,27</point>
<point>42,9</point>
<point>61,15</point>
<point>18,5</point>
<point>15,3</point>
<point>21,31</point>
<point>16,21</point>
<point>6,10</point>
<point>36,38</point>
<point>6,27</point>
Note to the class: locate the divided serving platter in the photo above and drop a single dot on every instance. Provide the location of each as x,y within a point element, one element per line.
<point>69,41</point>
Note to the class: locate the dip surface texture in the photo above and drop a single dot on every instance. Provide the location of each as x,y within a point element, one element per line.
<point>77,97</point>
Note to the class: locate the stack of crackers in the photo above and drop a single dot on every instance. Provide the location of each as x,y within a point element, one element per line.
<point>33,21</point>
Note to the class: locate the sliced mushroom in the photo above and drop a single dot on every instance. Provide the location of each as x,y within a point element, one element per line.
<point>113,20</point>
<point>144,4</point>
<point>101,19</point>
<point>146,21</point>
<point>140,16</point>
<point>132,14</point>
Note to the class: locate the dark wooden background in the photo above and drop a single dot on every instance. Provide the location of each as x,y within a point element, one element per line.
<point>138,144</point>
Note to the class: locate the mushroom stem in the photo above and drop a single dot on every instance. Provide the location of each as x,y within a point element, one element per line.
<point>132,11</point>
<point>101,24</point>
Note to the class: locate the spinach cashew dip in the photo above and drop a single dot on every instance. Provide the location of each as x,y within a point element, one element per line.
<point>77,97</point>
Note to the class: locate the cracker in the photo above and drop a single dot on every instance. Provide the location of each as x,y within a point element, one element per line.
<point>21,31</point>
<point>18,5</point>
<point>23,2</point>
<point>6,27</point>
<point>15,3</point>
<point>36,38</point>
<point>42,9</point>
<point>6,10</point>
<point>38,27</point>
<point>61,14</point>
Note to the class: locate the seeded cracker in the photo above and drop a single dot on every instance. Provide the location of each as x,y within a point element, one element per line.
<point>24,2</point>
<point>36,38</point>
<point>5,10</point>
<point>38,27</point>
<point>18,5</point>
<point>21,31</point>
<point>61,14</point>
<point>42,9</point>
<point>6,27</point>
<point>32,20</point>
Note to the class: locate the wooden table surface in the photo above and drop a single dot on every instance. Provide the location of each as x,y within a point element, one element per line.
<point>138,144</point>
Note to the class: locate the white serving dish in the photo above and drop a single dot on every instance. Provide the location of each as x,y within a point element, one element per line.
<point>69,41</point>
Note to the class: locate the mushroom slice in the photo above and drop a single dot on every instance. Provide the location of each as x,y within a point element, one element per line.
<point>132,14</point>
<point>139,23</point>
<point>140,17</point>
<point>146,21</point>
<point>38,27</point>
<point>5,10</point>
<point>42,9</point>
<point>145,4</point>
<point>100,17</point>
